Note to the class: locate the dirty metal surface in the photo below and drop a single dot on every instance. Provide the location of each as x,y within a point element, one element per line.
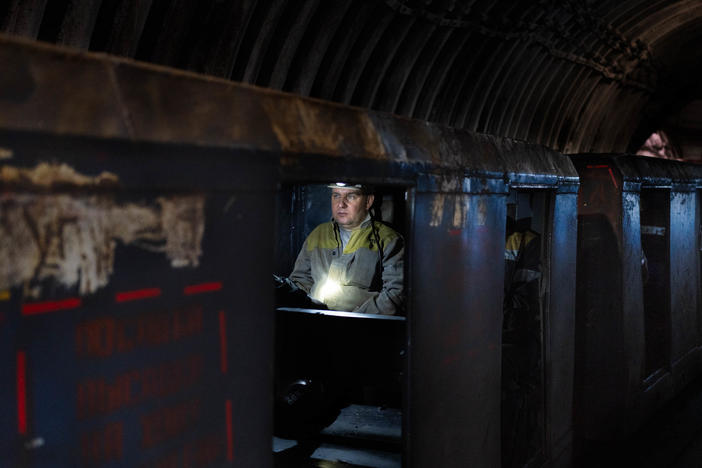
<point>628,205</point>
<point>168,152</point>
<point>455,330</point>
<point>487,67</point>
<point>110,97</point>
<point>599,314</point>
<point>560,328</point>
<point>132,307</point>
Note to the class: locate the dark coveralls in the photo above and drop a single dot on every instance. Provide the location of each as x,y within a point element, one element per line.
<point>521,347</point>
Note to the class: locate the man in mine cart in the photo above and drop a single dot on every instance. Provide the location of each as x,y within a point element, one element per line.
<point>353,262</point>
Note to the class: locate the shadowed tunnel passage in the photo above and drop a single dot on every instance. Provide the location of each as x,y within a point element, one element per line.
<point>576,76</point>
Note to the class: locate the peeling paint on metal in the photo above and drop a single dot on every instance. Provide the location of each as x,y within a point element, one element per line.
<point>183,224</point>
<point>482,214</point>
<point>450,184</point>
<point>46,175</point>
<point>460,210</point>
<point>462,205</point>
<point>72,238</point>
<point>447,187</point>
<point>437,209</point>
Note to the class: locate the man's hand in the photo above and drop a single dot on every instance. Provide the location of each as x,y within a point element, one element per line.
<point>288,294</point>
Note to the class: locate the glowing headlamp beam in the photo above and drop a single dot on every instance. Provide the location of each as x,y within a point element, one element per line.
<point>329,289</point>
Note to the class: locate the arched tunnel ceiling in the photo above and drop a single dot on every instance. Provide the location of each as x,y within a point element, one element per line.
<point>573,75</point>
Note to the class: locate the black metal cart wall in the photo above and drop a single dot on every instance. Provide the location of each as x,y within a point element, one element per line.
<point>138,208</point>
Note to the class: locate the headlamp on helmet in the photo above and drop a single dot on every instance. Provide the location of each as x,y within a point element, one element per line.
<point>366,189</point>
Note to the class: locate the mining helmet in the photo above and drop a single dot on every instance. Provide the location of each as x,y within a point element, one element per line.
<point>365,188</point>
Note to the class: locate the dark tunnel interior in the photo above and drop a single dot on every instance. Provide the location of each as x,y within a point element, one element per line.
<point>529,268</point>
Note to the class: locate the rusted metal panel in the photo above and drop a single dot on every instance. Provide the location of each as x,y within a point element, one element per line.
<point>559,330</point>
<point>652,329</point>
<point>530,165</point>
<point>122,99</point>
<point>330,130</point>
<point>184,150</point>
<point>684,277</point>
<point>632,294</point>
<point>683,273</point>
<point>213,114</point>
<point>568,51</point>
<point>132,306</point>
<point>71,239</point>
<point>599,319</point>
<point>44,89</point>
<point>454,366</point>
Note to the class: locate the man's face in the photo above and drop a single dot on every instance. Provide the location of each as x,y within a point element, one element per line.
<point>350,206</point>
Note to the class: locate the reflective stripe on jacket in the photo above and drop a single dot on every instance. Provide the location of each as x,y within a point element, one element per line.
<point>521,307</point>
<point>522,257</point>
<point>357,282</point>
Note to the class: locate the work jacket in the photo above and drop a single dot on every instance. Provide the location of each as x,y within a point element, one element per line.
<point>522,274</point>
<point>354,279</point>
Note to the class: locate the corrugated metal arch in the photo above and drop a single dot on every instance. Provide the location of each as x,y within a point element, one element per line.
<point>575,76</point>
